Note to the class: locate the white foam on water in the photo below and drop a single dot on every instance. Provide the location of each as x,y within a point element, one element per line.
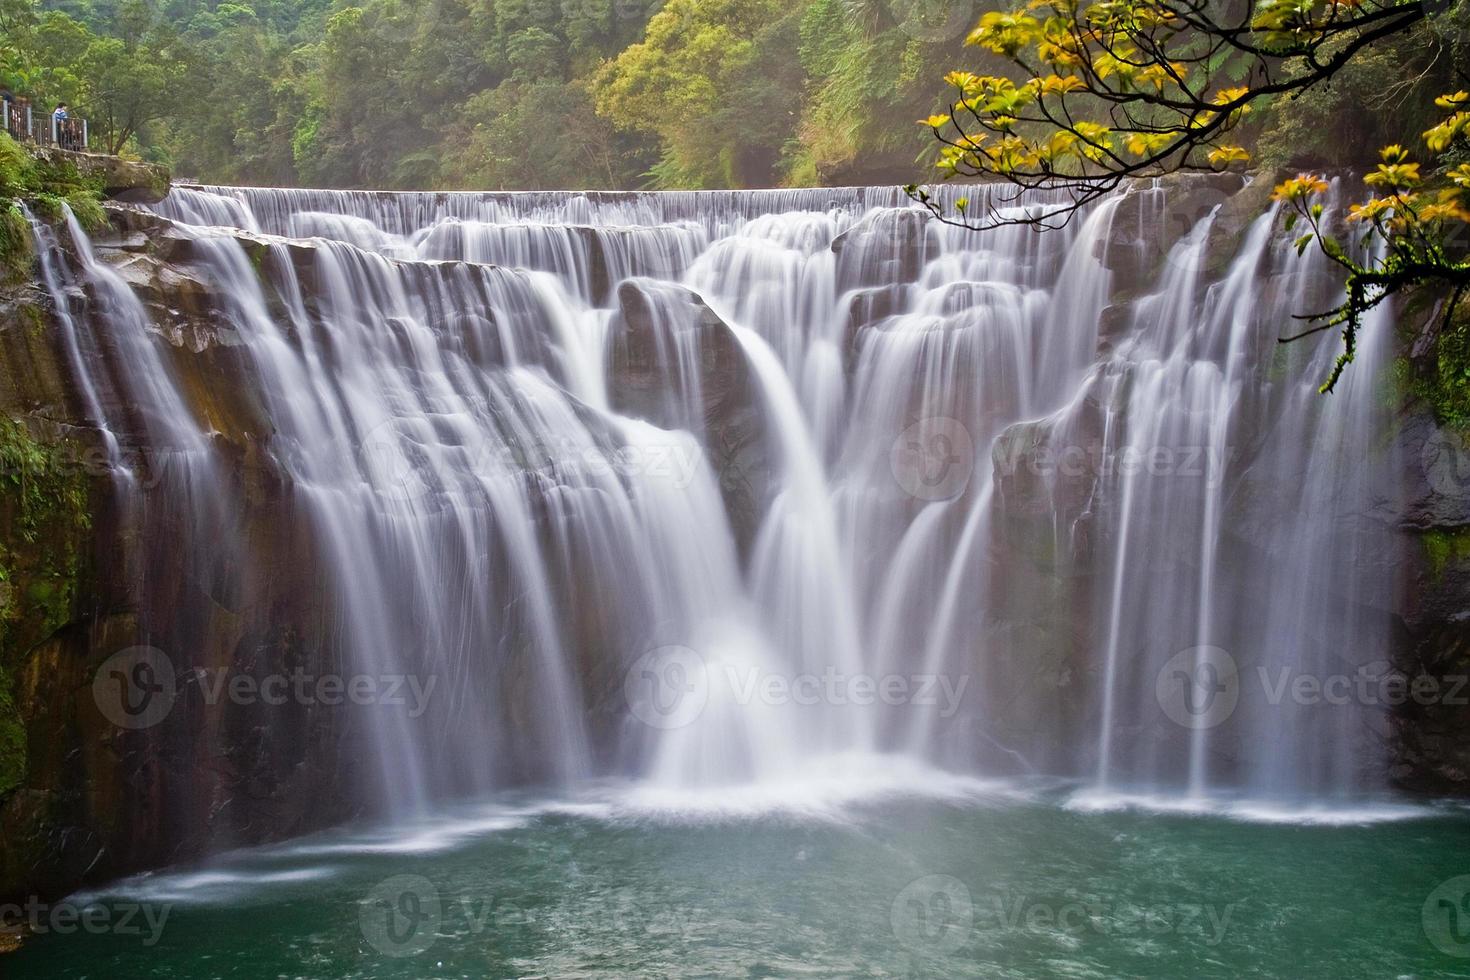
<point>838,789</point>
<point>1303,813</point>
<point>212,886</point>
<point>828,788</point>
<point>422,837</point>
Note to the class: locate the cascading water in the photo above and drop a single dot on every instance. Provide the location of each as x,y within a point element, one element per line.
<point>551,447</point>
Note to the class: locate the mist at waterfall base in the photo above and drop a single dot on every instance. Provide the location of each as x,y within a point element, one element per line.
<point>797,584</point>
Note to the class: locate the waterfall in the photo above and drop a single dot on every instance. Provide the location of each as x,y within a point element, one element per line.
<point>850,482</point>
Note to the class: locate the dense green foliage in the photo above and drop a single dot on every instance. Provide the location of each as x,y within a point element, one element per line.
<point>573,93</point>
<point>493,93</point>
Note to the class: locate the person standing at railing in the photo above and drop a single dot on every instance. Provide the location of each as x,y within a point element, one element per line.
<point>66,132</point>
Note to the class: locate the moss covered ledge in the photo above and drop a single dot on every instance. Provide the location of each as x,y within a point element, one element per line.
<point>115,177</point>
<point>45,179</point>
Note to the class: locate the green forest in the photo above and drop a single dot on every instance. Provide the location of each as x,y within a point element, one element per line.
<point>515,94</point>
<point>625,94</point>
<point>534,94</point>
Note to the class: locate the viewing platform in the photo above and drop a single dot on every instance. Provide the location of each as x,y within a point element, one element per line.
<point>27,123</point>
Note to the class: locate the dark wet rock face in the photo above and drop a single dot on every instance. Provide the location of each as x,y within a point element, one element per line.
<point>1046,489</point>
<point>84,797</point>
<point>666,343</point>
<point>885,248</point>
<point>1152,218</point>
<point>1431,729</point>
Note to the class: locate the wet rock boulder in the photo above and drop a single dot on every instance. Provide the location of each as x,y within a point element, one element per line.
<point>675,363</point>
<point>886,247</point>
<point>1153,217</point>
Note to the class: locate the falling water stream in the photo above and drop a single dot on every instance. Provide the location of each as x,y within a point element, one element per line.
<point>794,514</point>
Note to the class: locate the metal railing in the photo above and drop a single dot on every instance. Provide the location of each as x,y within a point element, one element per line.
<point>24,123</point>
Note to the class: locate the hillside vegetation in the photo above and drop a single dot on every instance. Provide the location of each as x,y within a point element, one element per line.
<point>536,94</point>
<point>493,93</point>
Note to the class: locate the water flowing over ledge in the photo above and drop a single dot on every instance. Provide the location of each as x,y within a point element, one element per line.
<point>711,491</point>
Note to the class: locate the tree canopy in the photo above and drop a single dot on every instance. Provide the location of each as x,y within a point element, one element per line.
<point>493,93</point>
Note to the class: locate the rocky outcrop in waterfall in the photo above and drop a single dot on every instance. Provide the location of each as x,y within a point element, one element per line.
<point>640,385</point>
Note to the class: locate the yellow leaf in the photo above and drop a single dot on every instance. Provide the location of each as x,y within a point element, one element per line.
<point>1225,155</point>
<point>1371,210</point>
<point>1440,137</point>
<point>1142,144</point>
<point>1444,211</point>
<point>1393,175</point>
<point>1299,188</point>
<point>1055,85</point>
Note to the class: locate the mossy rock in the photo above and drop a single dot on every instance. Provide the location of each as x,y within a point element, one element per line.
<point>113,177</point>
<point>44,519</point>
<point>1437,368</point>
<point>1443,548</point>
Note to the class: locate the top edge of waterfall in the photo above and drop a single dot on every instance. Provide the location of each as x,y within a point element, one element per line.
<point>404,212</point>
<point>894,191</point>
<point>863,194</point>
<point>897,189</point>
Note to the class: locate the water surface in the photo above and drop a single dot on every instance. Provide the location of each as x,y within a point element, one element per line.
<point>967,878</point>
